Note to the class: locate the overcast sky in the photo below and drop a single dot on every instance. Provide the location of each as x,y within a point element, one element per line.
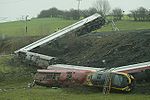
<point>15,9</point>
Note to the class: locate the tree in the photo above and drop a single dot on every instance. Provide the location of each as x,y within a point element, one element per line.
<point>43,14</point>
<point>141,14</point>
<point>52,12</point>
<point>90,11</point>
<point>117,13</point>
<point>102,7</point>
<point>66,15</point>
<point>71,14</point>
<point>134,14</point>
<point>74,14</point>
<point>148,15</point>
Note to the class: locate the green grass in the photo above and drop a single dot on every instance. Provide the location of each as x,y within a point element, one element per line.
<point>35,26</point>
<point>4,67</point>
<point>40,93</point>
<point>13,74</point>
<point>8,65</point>
<point>127,25</point>
<point>44,26</point>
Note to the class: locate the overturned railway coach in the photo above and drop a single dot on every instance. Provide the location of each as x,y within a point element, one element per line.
<point>86,77</point>
<point>62,77</point>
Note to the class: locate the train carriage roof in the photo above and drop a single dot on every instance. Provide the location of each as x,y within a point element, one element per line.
<point>132,68</point>
<point>73,67</point>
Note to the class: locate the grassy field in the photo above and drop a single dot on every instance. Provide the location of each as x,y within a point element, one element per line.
<point>127,25</point>
<point>49,25</point>
<point>40,93</point>
<point>35,26</point>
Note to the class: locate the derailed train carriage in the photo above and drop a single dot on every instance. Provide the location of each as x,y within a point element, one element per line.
<point>62,77</point>
<point>72,77</point>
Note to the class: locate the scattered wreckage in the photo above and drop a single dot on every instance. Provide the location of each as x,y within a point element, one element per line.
<point>119,78</point>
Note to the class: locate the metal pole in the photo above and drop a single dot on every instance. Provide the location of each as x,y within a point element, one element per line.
<point>79,7</point>
<point>26,28</point>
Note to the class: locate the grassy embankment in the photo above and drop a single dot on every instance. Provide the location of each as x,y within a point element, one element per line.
<point>13,74</point>
<point>35,26</point>
<point>49,25</point>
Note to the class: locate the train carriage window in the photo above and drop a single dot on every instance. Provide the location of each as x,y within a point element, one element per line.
<point>69,75</point>
<point>53,76</point>
<point>99,76</point>
<point>100,79</point>
<point>57,76</point>
<point>119,80</point>
<point>89,77</point>
<point>49,76</point>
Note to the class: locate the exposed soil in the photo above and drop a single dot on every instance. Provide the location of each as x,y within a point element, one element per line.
<point>110,49</point>
<point>101,49</point>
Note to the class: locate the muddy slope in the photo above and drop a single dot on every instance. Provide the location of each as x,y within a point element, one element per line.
<point>101,49</point>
